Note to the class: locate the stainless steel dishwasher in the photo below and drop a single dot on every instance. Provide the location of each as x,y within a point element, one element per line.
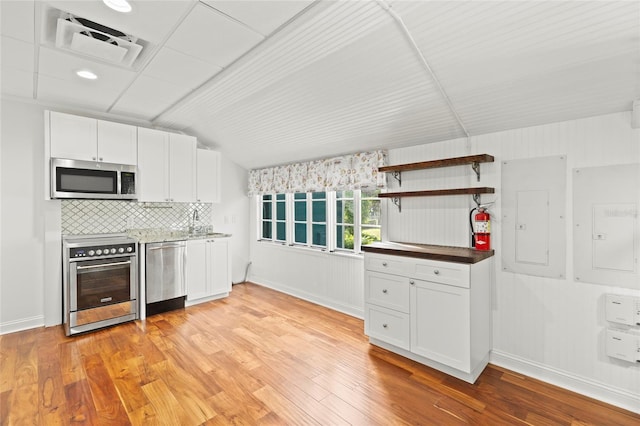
<point>165,276</point>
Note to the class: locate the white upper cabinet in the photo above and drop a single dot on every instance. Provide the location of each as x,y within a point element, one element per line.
<point>73,136</point>
<point>208,176</point>
<point>117,143</point>
<point>182,167</point>
<point>84,138</point>
<point>166,166</point>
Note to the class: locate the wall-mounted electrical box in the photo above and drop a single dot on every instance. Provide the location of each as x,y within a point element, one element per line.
<point>622,309</point>
<point>624,345</point>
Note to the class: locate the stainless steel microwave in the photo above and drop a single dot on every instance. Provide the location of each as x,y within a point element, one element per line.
<point>92,180</point>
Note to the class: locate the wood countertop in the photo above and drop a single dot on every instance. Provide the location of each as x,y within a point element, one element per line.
<point>428,251</point>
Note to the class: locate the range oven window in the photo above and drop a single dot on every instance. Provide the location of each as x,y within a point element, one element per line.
<point>86,180</point>
<point>103,282</point>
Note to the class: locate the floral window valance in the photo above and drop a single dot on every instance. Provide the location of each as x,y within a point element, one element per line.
<point>354,171</point>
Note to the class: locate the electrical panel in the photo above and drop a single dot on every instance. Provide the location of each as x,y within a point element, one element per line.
<point>624,345</point>
<point>622,309</point>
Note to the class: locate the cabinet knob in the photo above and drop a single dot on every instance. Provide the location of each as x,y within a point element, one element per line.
<point>436,272</point>
<point>384,290</point>
<point>384,263</point>
<point>412,282</point>
<point>384,325</point>
<point>93,158</point>
<point>100,158</point>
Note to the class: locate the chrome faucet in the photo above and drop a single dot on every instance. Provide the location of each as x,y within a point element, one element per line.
<point>195,217</point>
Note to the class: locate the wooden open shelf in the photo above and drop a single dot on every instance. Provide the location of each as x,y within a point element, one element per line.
<point>445,162</point>
<point>434,192</point>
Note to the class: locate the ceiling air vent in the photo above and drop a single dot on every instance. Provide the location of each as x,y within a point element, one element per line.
<point>89,38</point>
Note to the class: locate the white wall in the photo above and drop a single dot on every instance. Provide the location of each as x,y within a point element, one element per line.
<point>547,328</point>
<point>30,265</point>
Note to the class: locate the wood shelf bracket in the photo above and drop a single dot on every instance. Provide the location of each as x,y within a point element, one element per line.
<point>397,175</point>
<point>398,202</point>
<point>476,199</point>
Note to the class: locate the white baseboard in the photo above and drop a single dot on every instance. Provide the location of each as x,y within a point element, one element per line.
<point>21,324</point>
<point>591,388</point>
<point>345,309</point>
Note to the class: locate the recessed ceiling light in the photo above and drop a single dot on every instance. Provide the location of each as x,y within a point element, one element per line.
<point>87,74</point>
<point>118,5</point>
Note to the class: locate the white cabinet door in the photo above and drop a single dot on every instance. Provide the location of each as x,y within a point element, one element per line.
<point>198,285</point>
<point>153,166</point>
<point>208,176</point>
<point>182,168</point>
<point>440,325</point>
<point>219,266</point>
<point>73,136</point>
<point>117,143</point>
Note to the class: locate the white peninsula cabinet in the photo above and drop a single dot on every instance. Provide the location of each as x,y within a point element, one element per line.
<point>208,270</point>
<point>83,138</point>
<point>435,312</point>
<point>208,176</point>
<point>166,166</point>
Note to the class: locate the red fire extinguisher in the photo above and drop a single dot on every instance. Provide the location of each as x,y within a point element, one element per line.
<point>482,229</point>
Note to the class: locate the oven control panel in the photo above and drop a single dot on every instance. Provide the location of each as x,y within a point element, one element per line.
<point>107,250</point>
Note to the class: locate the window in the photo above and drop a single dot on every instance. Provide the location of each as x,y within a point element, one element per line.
<point>345,215</point>
<point>335,220</point>
<point>274,204</point>
<point>319,219</point>
<point>267,216</point>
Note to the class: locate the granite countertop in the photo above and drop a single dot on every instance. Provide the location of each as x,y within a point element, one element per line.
<point>160,235</point>
<point>428,251</point>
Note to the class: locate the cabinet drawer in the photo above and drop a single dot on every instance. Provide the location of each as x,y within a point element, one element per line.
<point>449,273</point>
<point>387,264</point>
<point>390,291</point>
<point>388,325</point>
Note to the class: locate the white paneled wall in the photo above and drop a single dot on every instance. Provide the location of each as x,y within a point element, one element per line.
<point>552,329</point>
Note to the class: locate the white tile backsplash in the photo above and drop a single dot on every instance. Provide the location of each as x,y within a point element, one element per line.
<point>105,216</point>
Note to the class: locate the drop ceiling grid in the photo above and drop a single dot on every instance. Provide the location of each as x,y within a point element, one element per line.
<point>327,31</point>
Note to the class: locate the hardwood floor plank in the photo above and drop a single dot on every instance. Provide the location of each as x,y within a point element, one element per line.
<point>260,357</point>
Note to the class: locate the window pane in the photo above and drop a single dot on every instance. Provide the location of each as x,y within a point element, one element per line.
<point>344,211</point>
<point>344,194</point>
<point>319,211</point>
<point>281,231</point>
<point>280,197</point>
<point>280,210</point>
<point>266,210</point>
<point>266,230</point>
<point>370,235</point>
<point>300,211</point>
<point>266,197</point>
<point>300,233</point>
<point>318,195</point>
<point>300,196</point>
<point>319,235</point>
<point>344,236</point>
<point>370,212</point>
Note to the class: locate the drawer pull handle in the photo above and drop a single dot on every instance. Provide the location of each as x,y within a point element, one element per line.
<point>412,282</point>
<point>436,272</point>
<point>384,264</point>
<point>384,325</point>
<point>384,290</point>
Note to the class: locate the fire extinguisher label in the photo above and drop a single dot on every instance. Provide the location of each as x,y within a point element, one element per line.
<point>483,227</point>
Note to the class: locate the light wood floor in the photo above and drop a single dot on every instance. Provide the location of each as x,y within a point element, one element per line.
<point>259,357</point>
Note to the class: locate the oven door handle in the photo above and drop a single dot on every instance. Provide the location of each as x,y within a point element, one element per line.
<point>102,265</point>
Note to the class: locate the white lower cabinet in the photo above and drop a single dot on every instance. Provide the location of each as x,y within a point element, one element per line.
<point>208,270</point>
<point>437,313</point>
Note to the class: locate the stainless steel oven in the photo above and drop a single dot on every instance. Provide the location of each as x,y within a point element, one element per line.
<point>100,275</point>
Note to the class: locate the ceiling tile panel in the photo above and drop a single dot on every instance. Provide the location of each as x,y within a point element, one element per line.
<point>212,37</point>
<point>17,19</point>
<point>147,97</point>
<point>180,69</point>
<point>17,54</point>
<point>263,16</point>
<point>57,78</point>
<point>16,83</point>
